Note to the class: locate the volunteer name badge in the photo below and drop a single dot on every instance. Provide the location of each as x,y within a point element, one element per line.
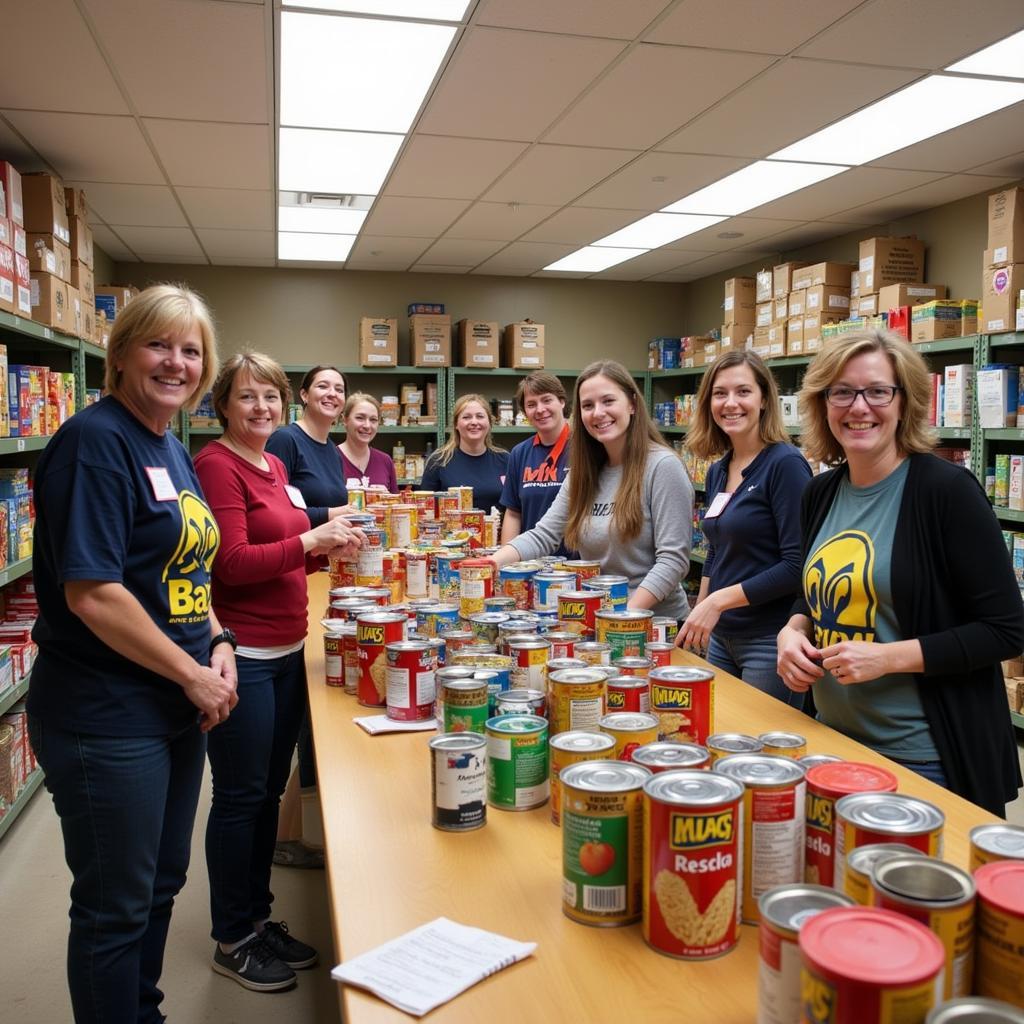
<point>160,481</point>
<point>295,496</point>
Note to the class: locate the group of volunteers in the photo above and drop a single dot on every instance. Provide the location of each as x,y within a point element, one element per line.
<point>173,604</point>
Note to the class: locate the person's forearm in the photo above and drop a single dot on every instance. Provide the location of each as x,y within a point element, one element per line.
<point>642,598</point>
<point>903,656</point>
<point>729,597</point>
<point>511,525</point>
<point>802,624</point>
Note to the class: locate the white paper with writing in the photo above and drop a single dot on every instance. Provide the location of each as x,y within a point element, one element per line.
<point>375,724</point>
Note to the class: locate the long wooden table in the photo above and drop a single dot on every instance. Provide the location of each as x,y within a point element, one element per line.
<point>389,871</point>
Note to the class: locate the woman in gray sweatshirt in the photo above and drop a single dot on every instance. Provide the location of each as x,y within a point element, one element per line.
<point>627,500</point>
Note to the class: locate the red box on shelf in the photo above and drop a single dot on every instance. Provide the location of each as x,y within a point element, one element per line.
<point>899,321</point>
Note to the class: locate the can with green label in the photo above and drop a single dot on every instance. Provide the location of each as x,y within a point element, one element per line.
<point>517,762</point>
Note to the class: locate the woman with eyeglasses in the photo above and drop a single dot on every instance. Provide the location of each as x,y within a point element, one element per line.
<point>909,599</point>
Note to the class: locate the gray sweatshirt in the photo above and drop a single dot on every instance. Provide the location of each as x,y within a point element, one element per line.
<point>658,557</point>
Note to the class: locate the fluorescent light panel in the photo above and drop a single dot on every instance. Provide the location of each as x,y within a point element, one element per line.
<point>430,10</point>
<point>312,160</point>
<point>320,220</point>
<point>657,229</point>
<point>929,107</point>
<point>753,186</point>
<point>592,258</point>
<point>358,74</point>
<point>294,245</point>
<point>1004,58</point>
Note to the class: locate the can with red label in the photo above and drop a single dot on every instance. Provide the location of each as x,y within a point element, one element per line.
<point>579,607</point>
<point>350,657</point>
<point>627,632</point>
<point>409,682</point>
<point>693,828</point>
<point>629,693</point>
<point>374,631</point>
<point>476,582</point>
<point>864,965</point>
<point>666,757</point>
<point>614,591</point>
<point>334,666</point>
<point>529,656</point>
<point>347,608</point>
<point>584,569</point>
<point>516,581</point>
<point>683,697</point>
<point>999,968</point>
<point>632,665</point>
<point>660,653</point>
<point>826,783</point>
<point>568,748</point>
<point>630,730</point>
<point>997,841</point>
<point>563,643</point>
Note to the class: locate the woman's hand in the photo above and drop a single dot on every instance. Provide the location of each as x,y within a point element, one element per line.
<point>857,661</point>
<point>213,690</point>
<point>798,659</point>
<point>334,536</point>
<point>696,630</point>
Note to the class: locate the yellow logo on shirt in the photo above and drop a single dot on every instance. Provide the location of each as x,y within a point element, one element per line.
<point>189,600</point>
<point>839,588</point>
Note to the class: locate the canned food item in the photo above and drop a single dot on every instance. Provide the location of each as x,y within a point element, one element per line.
<point>562,642</point>
<point>350,657</point>
<point>810,761</point>
<point>579,607</point>
<point>433,619</point>
<point>578,699</point>
<point>465,495</point>
<point>448,583</point>
<point>334,666</point>
<point>476,582</point>
<point>630,730</point>
<point>374,631</point>
<point>859,863</point>
<point>499,603</point>
<point>602,842</point>
<point>417,574</point>
<point>683,697</point>
<point>725,744</point>
<point>625,631</point>
<point>998,841</point>
<point>975,1010</point>
<point>614,591</point>
<point>660,652</point>
<point>484,625</point>
<point>522,702</point>
<point>593,652</point>
<point>693,821</point>
<point>459,781</point>
<point>632,665</point>
<point>773,824</point>
<point>864,965</point>
<point>456,639</point>
<point>548,585</point>
<point>584,569</point>
<point>370,559</point>
<point>941,897</point>
<point>629,693</point>
<point>425,502</point>
<point>402,525</point>
<point>557,664</point>
<point>783,744</point>
<point>529,655</point>
<point>517,762</point>
<point>783,911</point>
<point>381,596</point>
<point>409,680</point>
<point>569,748</point>
<point>664,630</point>
<point>999,967</point>
<point>464,701</point>
<point>499,664</point>
<point>346,609</point>
<point>663,757</point>
<point>826,783</point>
<point>865,818</point>
<point>516,581</point>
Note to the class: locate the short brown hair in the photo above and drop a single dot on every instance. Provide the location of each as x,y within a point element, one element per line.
<point>259,367</point>
<point>540,383</point>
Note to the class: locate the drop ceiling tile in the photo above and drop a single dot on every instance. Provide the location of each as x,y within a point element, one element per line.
<point>243,261</point>
<point>556,174</point>
<point>461,251</point>
<point>610,18</point>
<point>577,225</point>
<point>917,33</point>
<point>657,179</point>
<point>385,266</point>
<point>518,272</point>
<point>447,168</point>
<point>55,69</point>
<point>808,234</point>
<point>15,149</point>
<point>111,244</point>
<point>442,268</point>
<point>1011,165</point>
<point>681,276</point>
<point>220,244</point>
<point>159,257</point>
<point>789,101</point>
<point>747,24</point>
<point>189,59</point>
<point>657,261</point>
<point>751,229</point>
<point>569,275</point>
<point>427,218</point>
<point>651,93</point>
<point>169,243</point>
<point>543,73</point>
<point>375,249</point>
<point>498,220</point>
<point>214,155</point>
<point>89,147</point>
<point>139,205</point>
<point>524,257</point>
<point>713,265</point>
<point>228,208</point>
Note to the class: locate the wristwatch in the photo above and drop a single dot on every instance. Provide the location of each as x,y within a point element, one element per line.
<point>227,637</point>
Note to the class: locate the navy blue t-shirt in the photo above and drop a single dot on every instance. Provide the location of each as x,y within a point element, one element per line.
<point>314,467</point>
<point>118,503</point>
<point>484,473</point>
<point>532,481</point>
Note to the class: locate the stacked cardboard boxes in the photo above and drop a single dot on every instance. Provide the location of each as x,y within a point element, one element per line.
<point>739,315</point>
<point>1003,265</point>
<point>418,405</point>
<point>819,295</point>
<point>15,281</point>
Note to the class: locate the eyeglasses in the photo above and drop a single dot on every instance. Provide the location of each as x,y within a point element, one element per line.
<point>877,396</point>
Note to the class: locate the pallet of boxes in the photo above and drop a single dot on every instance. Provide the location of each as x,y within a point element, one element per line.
<point>1002,273</point>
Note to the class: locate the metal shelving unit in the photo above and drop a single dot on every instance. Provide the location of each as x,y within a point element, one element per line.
<point>21,801</point>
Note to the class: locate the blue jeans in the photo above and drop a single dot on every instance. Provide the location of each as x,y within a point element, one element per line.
<point>753,659</point>
<point>251,755</point>
<point>307,755</point>
<point>930,770</point>
<point>126,806</point>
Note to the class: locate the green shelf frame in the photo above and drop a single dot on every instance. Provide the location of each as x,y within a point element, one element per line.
<point>21,801</point>
<point>15,570</point>
<point>1017,718</point>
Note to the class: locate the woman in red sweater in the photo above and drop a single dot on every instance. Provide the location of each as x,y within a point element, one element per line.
<point>259,591</point>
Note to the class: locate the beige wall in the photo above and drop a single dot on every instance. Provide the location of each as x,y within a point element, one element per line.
<point>311,316</point>
<point>103,267</point>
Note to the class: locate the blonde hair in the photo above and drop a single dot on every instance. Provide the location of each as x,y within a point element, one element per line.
<point>354,399</point>
<point>261,368</point>
<point>446,452</point>
<point>162,309</point>
<point>913,432</point>
<point>587,457</point>
<point>706,438</point>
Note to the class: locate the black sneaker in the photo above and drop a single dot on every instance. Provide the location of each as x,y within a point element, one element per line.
<point>286,948</point>
<point>254,965</point>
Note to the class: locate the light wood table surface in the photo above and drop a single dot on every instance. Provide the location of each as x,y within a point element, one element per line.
<point>390,871</point>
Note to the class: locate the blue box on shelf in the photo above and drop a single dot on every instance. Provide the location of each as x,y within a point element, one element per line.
<point>429,308</point>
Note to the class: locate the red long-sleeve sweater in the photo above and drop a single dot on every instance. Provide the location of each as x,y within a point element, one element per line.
<point>259,574</point>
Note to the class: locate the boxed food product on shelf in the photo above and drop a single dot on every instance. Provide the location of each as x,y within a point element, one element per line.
<point>780,310</point>
<point>813,323</point>
<point>957,395</point>
<point>523,346</point>
<point>429,308</point>
<point>892,296</point>
<point>855,284</point>
<point>48,255</point>
<point>411,394</point>
<point>969,317</point>
<point>795,336</point>
<point>112,298</point>
<point>1016,487</point>
<point>828,298</point>
<point>6,279</point>
<point>81,241</point>
<point>866,305</point>
<point>378,339</point>
<point>10,183</point>
<point>782,279</point>
<point>43,196</point>
<point>478,342</point>
<point>1000,298</point>
<point>764,288</point>
<point>739,300</point>
<point>50,302</point>
<point>776,341</point>
<point>430,337</point>
<point>797,302</point>
<point>22,286</point>
<point>886,260</point>
<point>996,387</point>
<point>763,313</point>
<point>1006,226</point>
<point>838,274</point>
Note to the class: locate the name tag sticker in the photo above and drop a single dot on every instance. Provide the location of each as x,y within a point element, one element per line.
<point>295,495</point>
<point>717,507</point>
<point>160,481</point>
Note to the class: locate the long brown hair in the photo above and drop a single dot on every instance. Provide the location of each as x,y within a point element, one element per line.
<point>587,457</point>
<point>444,454</point>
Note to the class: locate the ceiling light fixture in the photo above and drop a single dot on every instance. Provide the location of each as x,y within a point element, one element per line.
<point>1005,58</point>
<point>319,220</point>
<point>428,10</point>
<point>592,258</point>
<point>657,229</point>
<point>312,160</point>
<point>294,245</point>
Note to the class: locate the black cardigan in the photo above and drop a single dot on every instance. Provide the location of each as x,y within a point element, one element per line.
<point>954,590</point>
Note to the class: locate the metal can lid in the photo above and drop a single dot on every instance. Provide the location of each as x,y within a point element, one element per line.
<point>576,595</point>
<point>407,645</point>
<point>523,695</point>
<point>519,569</point>
<point>662,754</point>
<point>579,676</point>
<point>439,608</point>
<point>604,776</point>
<point>1003,840</point>
<point>554,575</point>
<point>845,777</point>
<point>489,618</point>
<point>975,1010</point>
<point>607,579</point>
<point>787,907</point>
<point>466,656</point>
<point>381,617</point>
<point>864,858</point>
<point>558,636</point>
<point>689,787</point>
<point>626,615</point>
<point>632,661</point>
<point>659,645</point>
<point>594,646</point>
<point>450,673</point>
<point>455,633</point>
<point>581,563</point>
<point>871,946</point>
<point>923,879</point>
<point>890,813</point>
<point>782,739</point>
<point>517,724</point>
<point>681,674</point>
<point>1002,883</point>
<point>629,721</point>
<point>628,682</point>
<point>339,626</point>
<point>579,742</point>
<point>471,684</point>
<point>561,664</point>
<point>760,769</point>
<point>810,761</point>
<point>529,642</point>
<point>458,741</point>
<point>734,743</point>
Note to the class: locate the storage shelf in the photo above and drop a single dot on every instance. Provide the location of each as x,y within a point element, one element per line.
<point>948,345</point>
<point>1003,433</point>
<point>1017,718</point>
<point>15,571</point>
<point>30,329</point>
<point>785,361</point>
<point>205,431</point>
<point>386,370</point>
<point>94,350</point>
<point>524,429</point>
<point>954,433</point>
<point>21,802</point>
<point>405,430</point>
<point>697,557</point>
<point>1004,340</point>
<point>13,695</point>
<point>13,445</point>
<point>1013,514</point>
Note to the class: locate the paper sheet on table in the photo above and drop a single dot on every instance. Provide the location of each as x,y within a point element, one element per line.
<point>431,964</point>
<point>375,724</point>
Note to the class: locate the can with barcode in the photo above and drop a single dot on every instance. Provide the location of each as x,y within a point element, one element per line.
<point>459,777</point>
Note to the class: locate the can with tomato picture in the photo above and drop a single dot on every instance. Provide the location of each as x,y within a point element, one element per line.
<point>568,748</point>
<point>602,842</point>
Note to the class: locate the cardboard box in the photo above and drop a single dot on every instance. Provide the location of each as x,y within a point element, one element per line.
<point>797,302</point>
<point>50,302</point>
<point>61,254</point>
<point>764,288</point>
<point>996,388</point>
<point>81,241</point>
<point>935,321</point>
<point>430,337</point>
<point>780,309</point>
<point>6,278</point>
<point>795,336</point>
<point>735,336</point>
<point>761,344</point>
<point>855,284</point>
<point>739,301</point>
<point>81,277</point>
<point>20,240</point>
<point>813,323</point>
<point>1006,226</point>
<point>776,341</point>
<point>828,299</point>
<point>889,261</point>
<point>958,395</point>
<point>892,296</point>
<point>1000,297</point>
<point>969,317</point>
<point>378,337</point>
<point>782,279</point>
<point>822,273</point>
<point>75,204</point>
<point>44,206</point>
<point>75,309</point>
<point>763,314</point>
<point>112,298</point>
<point>22,287</point>
<point>10,182</point>
<point>866,305</point>
<point>6,231</point>
<point>522,346</point>
<point>478,343</point>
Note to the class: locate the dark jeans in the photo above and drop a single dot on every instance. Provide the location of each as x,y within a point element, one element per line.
<point>307,756</point>
<point>126,807</point>
<point>753,659</point>
<point>930,770</point>
<point>251,755</point>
